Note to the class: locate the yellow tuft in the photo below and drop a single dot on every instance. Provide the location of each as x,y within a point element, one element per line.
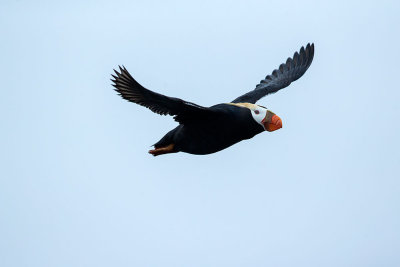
<point>244,105</point>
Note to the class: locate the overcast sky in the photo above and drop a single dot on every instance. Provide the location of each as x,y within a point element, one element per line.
<point>77,187</point>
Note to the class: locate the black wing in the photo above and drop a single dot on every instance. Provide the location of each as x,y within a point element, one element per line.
<point>292,70</point>
<point>132,91</point>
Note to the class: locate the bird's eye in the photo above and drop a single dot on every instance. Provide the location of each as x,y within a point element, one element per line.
<point>256,111</point>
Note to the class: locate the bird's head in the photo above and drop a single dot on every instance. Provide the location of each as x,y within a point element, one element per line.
<point>269,120</point>
<point>266,118</point>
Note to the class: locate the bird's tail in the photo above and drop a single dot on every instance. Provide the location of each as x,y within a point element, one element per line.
<point>166,140</point>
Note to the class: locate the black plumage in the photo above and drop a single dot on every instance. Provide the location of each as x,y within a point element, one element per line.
<point>282,77</point>
<point>231,124</point>
<point>204,130</point>
<point>131,90</point>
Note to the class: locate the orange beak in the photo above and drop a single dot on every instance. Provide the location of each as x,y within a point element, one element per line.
<point>275,124</point>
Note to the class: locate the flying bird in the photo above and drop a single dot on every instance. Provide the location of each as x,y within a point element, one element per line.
<point>206,130</point>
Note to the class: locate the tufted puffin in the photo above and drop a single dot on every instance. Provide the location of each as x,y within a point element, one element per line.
<point>206,130</point>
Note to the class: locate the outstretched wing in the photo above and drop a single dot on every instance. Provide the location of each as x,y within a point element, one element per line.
<point>280,78</point>
<point>131,90</point>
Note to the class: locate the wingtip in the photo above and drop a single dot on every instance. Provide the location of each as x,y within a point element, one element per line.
<point>310,47</point>
<point>302,50</point>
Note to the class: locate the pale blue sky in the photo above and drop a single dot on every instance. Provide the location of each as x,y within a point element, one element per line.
<point>78,188</point>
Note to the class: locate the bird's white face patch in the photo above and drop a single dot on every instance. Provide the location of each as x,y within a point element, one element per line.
<point>258,113</point>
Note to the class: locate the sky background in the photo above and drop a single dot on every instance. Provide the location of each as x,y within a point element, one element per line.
<point>77,187</point>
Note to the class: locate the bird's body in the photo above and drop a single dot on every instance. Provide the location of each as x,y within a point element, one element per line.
<point>230,125</point>
<point>203,130</point>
